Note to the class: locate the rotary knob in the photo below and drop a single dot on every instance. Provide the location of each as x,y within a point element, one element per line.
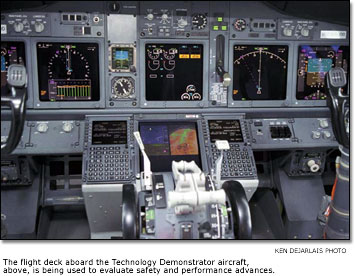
<point>316,134</point>
<point>39,27</point>
<point>18,27</point>
<point>327,135</point>
<point>305,32</point>
<point>42,127</point>
<point>150,16</point>
<point>323,123</point>
<point>287,31</point>
<point>164,17</point>
<point>182,23</point>
<point>67,127</point>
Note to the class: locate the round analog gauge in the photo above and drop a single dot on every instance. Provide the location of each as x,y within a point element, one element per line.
<point>199,21</point>
<point>68,61</point>
<point>122,88</point>
<point>240,25</point>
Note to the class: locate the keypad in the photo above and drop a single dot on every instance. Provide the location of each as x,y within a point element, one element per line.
<point>237,161</point>
<point>110,163</point>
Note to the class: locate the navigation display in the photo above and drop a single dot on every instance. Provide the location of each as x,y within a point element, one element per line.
<point>313,64</point>
<point>229,130</point>
<point>167,142</point>
<point>174,72</point>
<point>11,53</point>
<point>109,132</point>
<point>259,72</point>
<point>68,71</point>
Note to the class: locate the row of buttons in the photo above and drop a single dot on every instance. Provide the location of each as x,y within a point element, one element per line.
<point>108,164</point>
<point>236,161</point>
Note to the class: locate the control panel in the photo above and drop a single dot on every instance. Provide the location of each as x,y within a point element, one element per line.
<point>238,161</point>
<point>108,150</point>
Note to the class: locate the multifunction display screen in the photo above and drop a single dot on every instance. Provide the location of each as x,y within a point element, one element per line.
<point>174,72</point>
<point>68,71</point>
<point>313,64</point>
<point>167,142</point>
<point>229,130</point>
<point>109,132</point>
<point>259,72</point>
<point>11,53</point>
<point>122,58</point>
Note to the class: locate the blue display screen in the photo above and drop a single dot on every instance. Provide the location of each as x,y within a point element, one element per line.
<point>319,65</point>
<point>121,55</point>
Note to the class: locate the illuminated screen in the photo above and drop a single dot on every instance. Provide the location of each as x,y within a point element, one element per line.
<point>122,58</point>
<point>11,53</point>
<point>167,142</point>
<point>109,132</point>
<point>68,71</point>
<point>259,72</point>
<point>313,64</point>
<point>174,72</point>
<point>229,130</point>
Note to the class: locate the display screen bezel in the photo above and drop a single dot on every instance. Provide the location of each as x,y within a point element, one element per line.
<point>96,89</point>
<point>314,44</point>
<point>260,103</point>
<point>262,45</point>
<point>175,104</point>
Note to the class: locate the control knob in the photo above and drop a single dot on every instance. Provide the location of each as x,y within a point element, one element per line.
<point>67,127</point>
<point>18,27</point>
<point>287,31</point>
<point>182,23</point>
<point>313,166</point>
<point>323,123</point>
<point>316,134</point>
<point>39,27</point>
<point>42,127</point>
<point>150,16</point>
<point>327,135</point>
<point>305,32</point>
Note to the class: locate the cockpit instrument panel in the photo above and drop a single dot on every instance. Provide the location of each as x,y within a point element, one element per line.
<point>167,142</point>
<point>259,72</point>
<point>11,53</point>
<point>313,64</point>
<point>174,72</point>
<point>68,71</point>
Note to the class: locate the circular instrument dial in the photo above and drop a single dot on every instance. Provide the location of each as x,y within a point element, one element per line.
<point>240,25</point>
<point>199,21</point>
<point>68,63</point>
<point>122,87</point>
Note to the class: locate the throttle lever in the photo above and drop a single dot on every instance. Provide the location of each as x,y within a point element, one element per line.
<point>339,104</point>
<point>17,82</point>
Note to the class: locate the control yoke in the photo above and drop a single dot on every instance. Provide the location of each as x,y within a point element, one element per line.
<point>339,105</point>
<point>17,81</point>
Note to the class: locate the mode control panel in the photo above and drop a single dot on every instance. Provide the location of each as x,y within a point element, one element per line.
<point>108,150</point>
